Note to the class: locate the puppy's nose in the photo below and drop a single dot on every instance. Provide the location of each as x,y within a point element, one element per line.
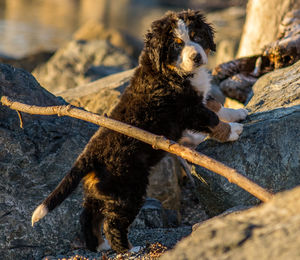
<point>198,59</point>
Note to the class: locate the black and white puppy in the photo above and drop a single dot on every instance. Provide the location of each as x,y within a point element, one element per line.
<point>167,95</point>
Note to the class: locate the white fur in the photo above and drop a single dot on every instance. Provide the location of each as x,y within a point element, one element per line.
<point>182,31</point>
<point>201,81</point>
<point>103,246</point>
<point>40,212</point>
<point>236,130</point>
<point>192,139</point>
<point>190,50</point>
<point>186,59</point>
<point>232,115</point>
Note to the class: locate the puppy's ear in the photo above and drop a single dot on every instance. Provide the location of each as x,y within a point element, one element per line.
<point>153,49</point>
<point>155,41</point>
<point>199,17</point>
<point>211,43</point>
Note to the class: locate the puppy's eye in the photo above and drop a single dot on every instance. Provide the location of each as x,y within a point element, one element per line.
<point>178,41</point>
<point>178,44</point>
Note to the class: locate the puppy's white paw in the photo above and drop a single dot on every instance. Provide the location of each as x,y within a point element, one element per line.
<point>232,115</point>
<point>236,130</point>
<point>241,114</point>
<point>103,246</point>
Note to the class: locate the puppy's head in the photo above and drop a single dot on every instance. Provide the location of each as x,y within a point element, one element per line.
<point>179,43</point>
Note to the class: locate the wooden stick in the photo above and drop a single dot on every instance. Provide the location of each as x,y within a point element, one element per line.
<point>157,142</point>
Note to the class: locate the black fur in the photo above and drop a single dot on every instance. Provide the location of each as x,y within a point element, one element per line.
<point>115,167</point>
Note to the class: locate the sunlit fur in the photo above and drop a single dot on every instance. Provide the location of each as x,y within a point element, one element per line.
<point>165,97</point>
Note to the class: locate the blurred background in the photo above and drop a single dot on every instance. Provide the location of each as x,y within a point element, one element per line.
<point>30,26</point>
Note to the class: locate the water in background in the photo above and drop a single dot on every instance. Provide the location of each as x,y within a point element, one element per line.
<point>27,26</point>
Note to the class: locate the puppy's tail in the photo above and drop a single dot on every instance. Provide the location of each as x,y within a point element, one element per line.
<point>68,184</point>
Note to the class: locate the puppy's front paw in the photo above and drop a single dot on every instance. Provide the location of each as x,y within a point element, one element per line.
<point>236,130</point>
<point>241,114</point>
<point>232,115</point>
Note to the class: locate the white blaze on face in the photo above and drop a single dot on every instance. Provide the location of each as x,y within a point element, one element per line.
<point>182,31</point>
<point>201,81</point>
<point>190,50</point>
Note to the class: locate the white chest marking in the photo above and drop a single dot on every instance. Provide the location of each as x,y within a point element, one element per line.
<point>201,82</point>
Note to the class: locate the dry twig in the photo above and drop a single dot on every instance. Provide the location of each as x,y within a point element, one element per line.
<point>157,142</point>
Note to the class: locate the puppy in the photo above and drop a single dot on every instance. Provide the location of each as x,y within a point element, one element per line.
<point>166,96</point>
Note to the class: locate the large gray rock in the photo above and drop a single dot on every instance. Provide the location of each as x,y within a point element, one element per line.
<point>99,96</point>
<point>270,231</point>
<point>228,24</point>
<point>268,150</point>
<point>153,215</point>
<point>164,183</point>
<point>279,89</point>
<point>30,61</point>
<point>262,24</point>
<point>80,62</point>
<point>94,30</point>
<point>32,162</point>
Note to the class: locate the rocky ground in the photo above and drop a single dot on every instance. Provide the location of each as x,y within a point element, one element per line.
<point>34,159</point>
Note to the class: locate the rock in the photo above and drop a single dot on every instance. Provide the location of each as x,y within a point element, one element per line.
<point>238,87</point>
<point>278,89</point>
<point>93,30</point>
<point>164,183</point>
<point>268,150</point>
<point>213,5</point>
<point>216,92</point>
<point>286,50</point>
<point>30,61</point>
<point>32,162</point>
<point>228,24</point>
<point>237,76</point>
<point>262,24</point>
<point>99,96</point>
<point>80,62</point>
<point>192,211</point>
<point>150,215</point>
<point>244,66</point>
<point>153,215</point>
<point>226,51</point>
<point>270,231</point>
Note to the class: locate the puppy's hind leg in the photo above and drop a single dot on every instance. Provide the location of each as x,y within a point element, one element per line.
<point>91,221</point>
<point>116,223</point>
